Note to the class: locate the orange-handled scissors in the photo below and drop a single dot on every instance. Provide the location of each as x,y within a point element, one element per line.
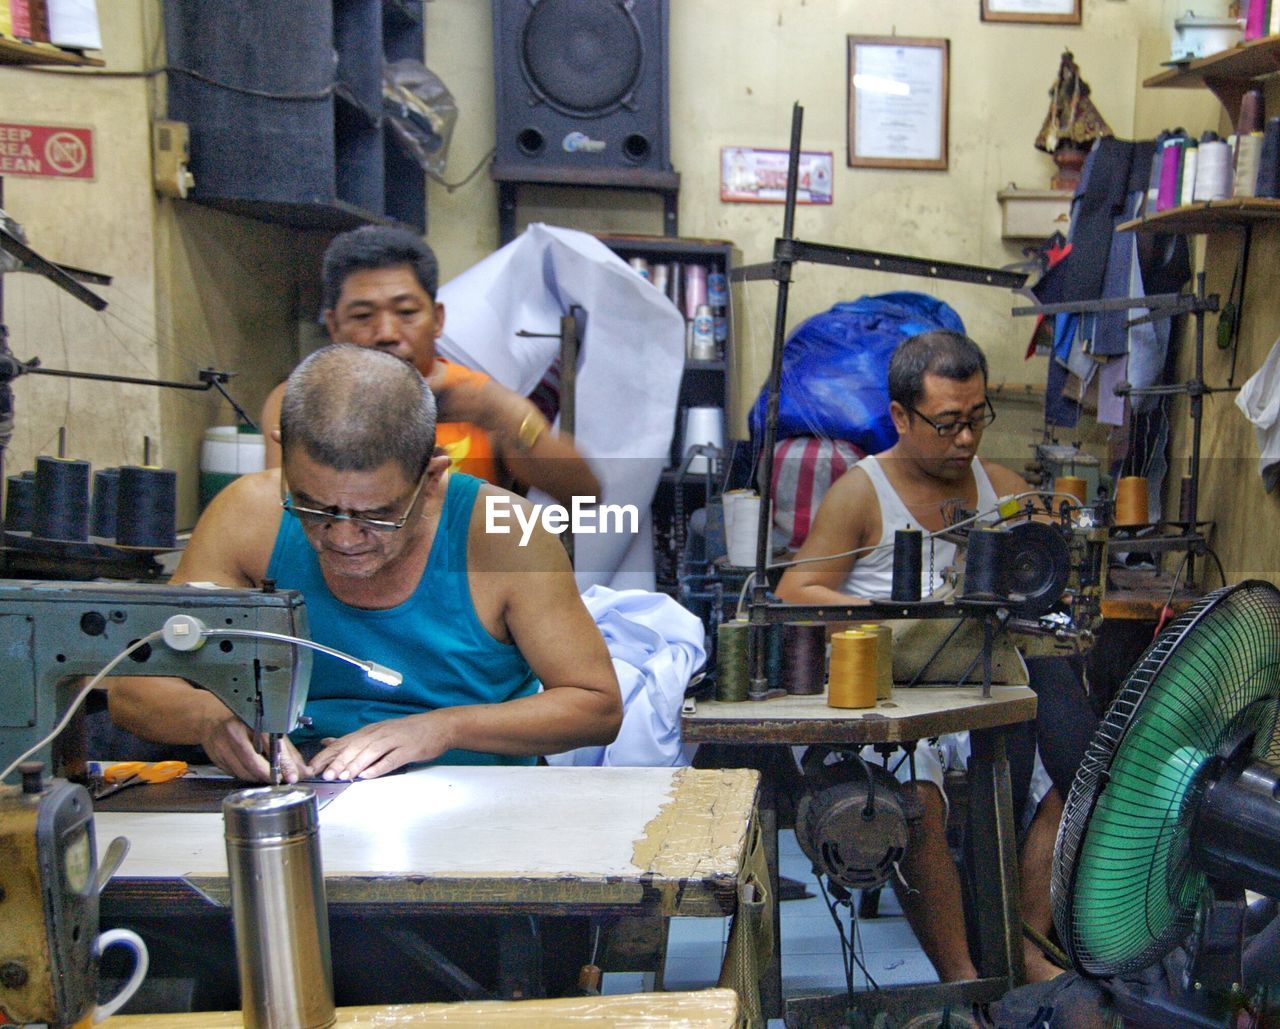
<point>132,773</point>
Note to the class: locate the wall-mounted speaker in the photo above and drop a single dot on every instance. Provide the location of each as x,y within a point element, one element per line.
<point>581,86</point>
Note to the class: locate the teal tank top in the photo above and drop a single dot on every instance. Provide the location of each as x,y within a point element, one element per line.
<point>434,639</point>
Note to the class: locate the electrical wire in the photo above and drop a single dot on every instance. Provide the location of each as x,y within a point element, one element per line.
<point>74,706</point>
<point>978,516</point>
<point>175,69</point>
<point>449,187</point>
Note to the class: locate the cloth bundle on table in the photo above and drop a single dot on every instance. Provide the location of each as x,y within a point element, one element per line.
<point>656,646</point>
<point>630,362</point>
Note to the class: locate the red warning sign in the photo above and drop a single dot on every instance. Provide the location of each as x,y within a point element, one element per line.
<point>48,151</point>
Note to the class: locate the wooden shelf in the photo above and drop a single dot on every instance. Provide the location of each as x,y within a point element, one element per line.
<point>1207,216</point>
<point>1227,74</point>
<point>14,52</point>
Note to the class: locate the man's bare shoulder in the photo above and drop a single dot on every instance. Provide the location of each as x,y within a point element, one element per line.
<point>233,539</point>
<point>1003,480</point>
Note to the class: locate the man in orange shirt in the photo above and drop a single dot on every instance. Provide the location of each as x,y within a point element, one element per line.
<point>380,291</point>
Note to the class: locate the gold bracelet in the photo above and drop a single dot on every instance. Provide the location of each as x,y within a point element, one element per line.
<point>530,431</point>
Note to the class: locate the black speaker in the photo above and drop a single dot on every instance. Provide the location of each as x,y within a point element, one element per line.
<point>581,87</point>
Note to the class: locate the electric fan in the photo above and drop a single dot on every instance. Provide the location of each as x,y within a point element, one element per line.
<point>1176,806</point>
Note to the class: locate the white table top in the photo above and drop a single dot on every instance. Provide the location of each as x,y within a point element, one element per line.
<point>512,835</point>
<point>913,713</point>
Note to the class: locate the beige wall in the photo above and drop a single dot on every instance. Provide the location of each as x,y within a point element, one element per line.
<point>196,288</point>
<point>192,288</point>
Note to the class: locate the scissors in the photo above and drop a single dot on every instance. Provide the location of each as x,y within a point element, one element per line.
<point>133,773</point>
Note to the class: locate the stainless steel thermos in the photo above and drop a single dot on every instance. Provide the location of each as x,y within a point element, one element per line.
<point>278,907</point>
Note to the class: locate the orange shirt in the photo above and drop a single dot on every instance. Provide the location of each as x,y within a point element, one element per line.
<point>469,448</point>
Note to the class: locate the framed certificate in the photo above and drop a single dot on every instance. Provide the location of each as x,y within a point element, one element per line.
<point>898,89</point>
<point>1045,12</point>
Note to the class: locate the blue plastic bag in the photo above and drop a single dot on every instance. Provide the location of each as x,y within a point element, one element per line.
<point>835,369</point>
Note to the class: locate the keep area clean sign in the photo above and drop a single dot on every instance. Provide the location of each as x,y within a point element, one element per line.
<point>46,151</point>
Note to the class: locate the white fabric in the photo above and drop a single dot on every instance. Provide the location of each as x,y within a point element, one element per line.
<point>1259,400</point>
<point>872,573</point>
<point>656,646</point>
<point>630,363</point>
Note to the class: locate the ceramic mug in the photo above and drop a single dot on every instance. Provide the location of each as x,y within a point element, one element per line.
<point>126,938</point>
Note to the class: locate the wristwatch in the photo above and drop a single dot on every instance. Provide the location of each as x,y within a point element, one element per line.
<point>530,431</point>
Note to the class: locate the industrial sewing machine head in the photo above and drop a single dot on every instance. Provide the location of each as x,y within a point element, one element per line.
<point>54,633</point>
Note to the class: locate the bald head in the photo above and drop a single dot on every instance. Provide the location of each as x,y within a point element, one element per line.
<point>354,409</point>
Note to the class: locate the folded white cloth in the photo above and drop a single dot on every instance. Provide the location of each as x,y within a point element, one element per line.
<point>656,646</point>
<point>1259,401</point>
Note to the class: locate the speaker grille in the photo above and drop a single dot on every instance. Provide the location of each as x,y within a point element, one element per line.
<point>582,57</point>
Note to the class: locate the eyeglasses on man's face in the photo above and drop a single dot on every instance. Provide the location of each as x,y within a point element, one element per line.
<point>316,518</point>
<point>953,427</point>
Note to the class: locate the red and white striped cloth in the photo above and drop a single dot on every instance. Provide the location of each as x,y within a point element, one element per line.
<point>804,468</point>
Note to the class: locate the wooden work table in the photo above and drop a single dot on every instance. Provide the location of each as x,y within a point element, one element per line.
<point>519,841</point>
<point>771,726</point>
<point>699,1009</point>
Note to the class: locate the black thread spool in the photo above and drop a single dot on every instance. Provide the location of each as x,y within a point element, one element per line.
<point>983,565</point>
<point>146,508</point>
<point>20,502</point>
<point>61,509</point>
<point>804,657</point>
<point>908,564</point>
<point>106,493</point>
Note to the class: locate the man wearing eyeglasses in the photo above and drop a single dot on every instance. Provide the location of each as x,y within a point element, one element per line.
<point>389,549</point>
<point>938,402</point>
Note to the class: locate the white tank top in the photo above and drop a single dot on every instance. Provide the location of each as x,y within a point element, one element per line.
<point>872,572</point>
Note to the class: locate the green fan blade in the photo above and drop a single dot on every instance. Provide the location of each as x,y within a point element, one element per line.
<point>1125,887</point>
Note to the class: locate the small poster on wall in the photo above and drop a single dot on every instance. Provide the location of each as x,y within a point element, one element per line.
<point>755,176</point>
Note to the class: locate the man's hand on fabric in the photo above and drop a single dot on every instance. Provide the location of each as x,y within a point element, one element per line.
<point>382,747</point>
<point>229,744</point>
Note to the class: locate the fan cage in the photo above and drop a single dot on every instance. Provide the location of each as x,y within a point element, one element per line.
<point>1229,642</point>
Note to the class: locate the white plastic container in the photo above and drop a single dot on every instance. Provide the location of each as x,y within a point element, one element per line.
<point>1195,37</point>
<point>225,455</point>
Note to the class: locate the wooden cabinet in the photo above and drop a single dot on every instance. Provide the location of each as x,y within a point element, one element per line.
<point>705,383</point>
<point>284,104</point>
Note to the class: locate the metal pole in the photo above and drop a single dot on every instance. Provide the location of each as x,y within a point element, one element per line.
<point>758,687</point>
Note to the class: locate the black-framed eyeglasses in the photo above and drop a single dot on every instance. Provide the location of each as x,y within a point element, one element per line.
<point>953,428</point>
<point>313,518</point>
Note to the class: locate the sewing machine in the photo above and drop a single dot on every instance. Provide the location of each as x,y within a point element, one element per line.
<point>54,633</point>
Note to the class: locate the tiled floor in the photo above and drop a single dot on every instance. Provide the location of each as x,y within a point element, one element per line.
<point>811,959</point>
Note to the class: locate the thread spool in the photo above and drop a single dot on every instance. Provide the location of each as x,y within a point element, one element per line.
<point>908,564</point>
<point>773,655</point>
<point>1248,158</point>
<point>804,657</point>
<point>1213,171</point>
<point>742,527</point>
<point>641,267</point>
<point>1190,164</point>
<point>852,682</point>
<point>695,289</point>
<point>1170,162</point>
<point>703,426</point>
<point>146,508</point>
<point>20,501</point>
<point>884,657</point>
<point>61,510</point>
<point>106,494</point>
<point>660,276</point>
<point>1072,485</point>
<point>983,576</point>
<point>1131,500</point>
<point>731,661</point>
<point>1268,182</point>
<point>1251,108</point>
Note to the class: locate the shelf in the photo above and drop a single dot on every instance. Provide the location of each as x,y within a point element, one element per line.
<point>14,52</point>
<point>1229,74</point>
<point>1207,216</point>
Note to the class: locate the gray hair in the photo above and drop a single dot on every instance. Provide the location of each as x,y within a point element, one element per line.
<point>949,355</point>
<point>354,409</point>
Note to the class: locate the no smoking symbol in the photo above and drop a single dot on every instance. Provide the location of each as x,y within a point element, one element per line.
<point>65,153</point>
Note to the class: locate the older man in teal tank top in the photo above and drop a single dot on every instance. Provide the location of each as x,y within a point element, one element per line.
<point>390,551</point>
